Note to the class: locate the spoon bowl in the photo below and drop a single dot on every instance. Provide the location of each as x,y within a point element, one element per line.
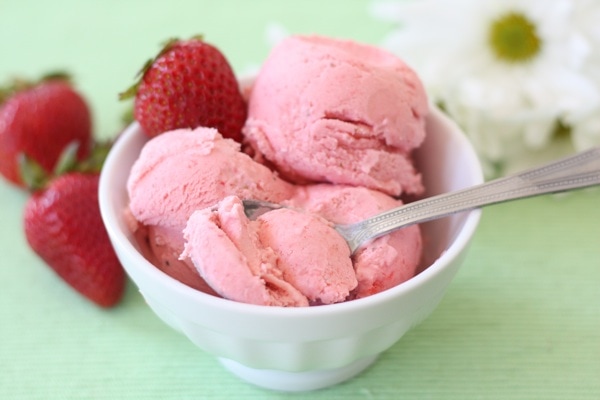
<point>303,348</point>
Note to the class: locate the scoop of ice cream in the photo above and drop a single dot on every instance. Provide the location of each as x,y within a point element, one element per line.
<point>284,258</point>
<point>382,263</point>
<point>184,170</point>
<point>327,110</point>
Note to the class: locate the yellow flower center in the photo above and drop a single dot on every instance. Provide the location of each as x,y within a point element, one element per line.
<point>513,38</point>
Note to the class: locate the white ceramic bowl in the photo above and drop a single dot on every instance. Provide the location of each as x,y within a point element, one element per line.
<point>297,349</point>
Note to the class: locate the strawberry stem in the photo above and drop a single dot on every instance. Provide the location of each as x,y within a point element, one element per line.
<point>33,175</point>
<point>36,178</point>
<point>95,161</point>
<point>67,160</point>
<point>56,75</point>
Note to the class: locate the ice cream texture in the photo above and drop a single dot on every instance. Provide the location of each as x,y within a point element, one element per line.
<point>383,263</point>
<point>333,151</point>
<point>184,170</point>
<point>337,111</point>
<point>284,258</point>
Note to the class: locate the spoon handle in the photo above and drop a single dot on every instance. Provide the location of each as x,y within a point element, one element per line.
<point>578,171</point>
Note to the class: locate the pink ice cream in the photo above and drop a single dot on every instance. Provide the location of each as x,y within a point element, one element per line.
<point>386,261</point>
<point>185,170</point>
<point>327,110</point>
<point>284,258</point>
<point>290,257</point>
<point>331,129</point>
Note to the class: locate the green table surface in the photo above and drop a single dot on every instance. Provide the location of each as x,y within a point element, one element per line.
<point>520,321</point>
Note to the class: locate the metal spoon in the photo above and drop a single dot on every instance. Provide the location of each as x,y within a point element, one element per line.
<point>575,172</point>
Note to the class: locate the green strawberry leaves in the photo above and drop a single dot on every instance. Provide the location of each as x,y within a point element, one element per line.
<point>35,178</point>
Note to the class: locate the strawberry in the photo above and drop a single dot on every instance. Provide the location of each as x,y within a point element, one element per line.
<point>188,84</point>
<point>37,121</point>
<point>63,226</point>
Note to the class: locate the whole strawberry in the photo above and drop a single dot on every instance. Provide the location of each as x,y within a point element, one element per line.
<point>38,121</point>
<point>189,84</point>
<point>64,227</point>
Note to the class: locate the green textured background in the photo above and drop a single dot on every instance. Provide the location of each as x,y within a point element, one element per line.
<point>520,321</point>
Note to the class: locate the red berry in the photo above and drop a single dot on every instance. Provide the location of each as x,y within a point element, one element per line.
<point>40,122</point>
<point>189,84</point>
<point>64,227</point>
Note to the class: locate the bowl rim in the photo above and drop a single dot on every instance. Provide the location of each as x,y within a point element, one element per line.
<point>123,240</point>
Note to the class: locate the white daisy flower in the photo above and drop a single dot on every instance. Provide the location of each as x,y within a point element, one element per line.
<point>586,126</point>
<point>586,131</point>
<point>506,70</point>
